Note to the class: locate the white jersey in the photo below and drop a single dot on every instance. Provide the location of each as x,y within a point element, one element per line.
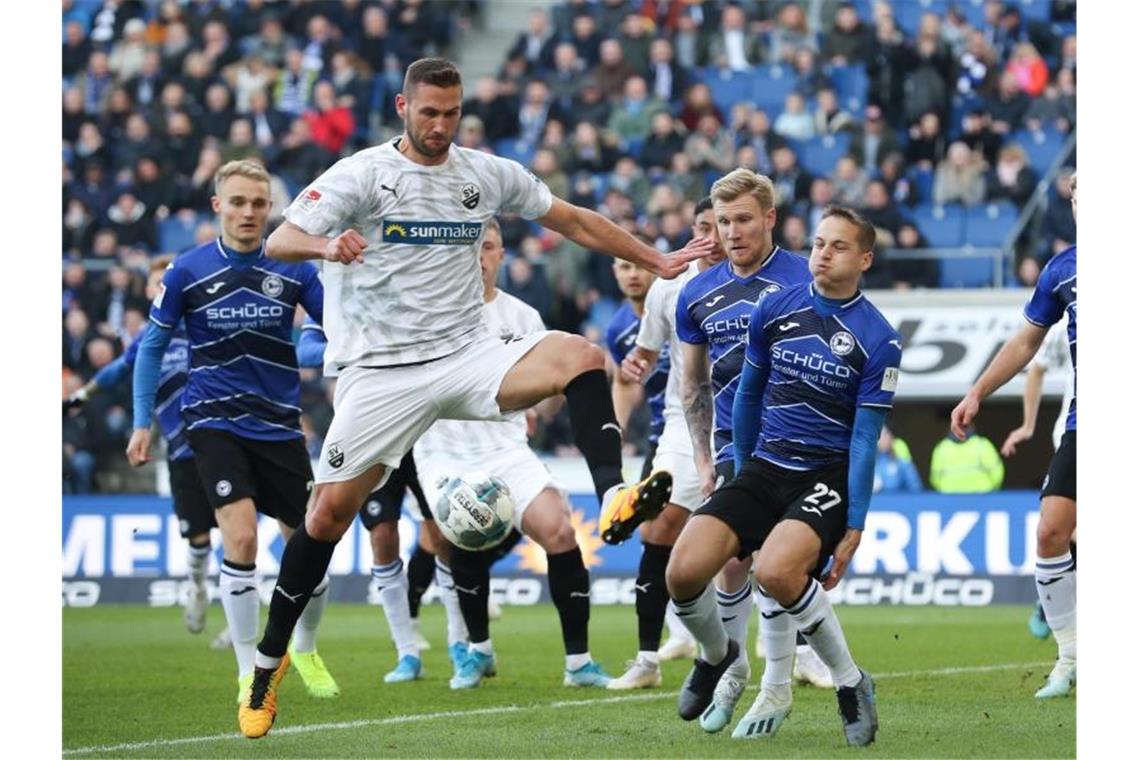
<point>1054,355</point>
<point>418,295</point>
<point>658,328</point>
<point>454,441</point>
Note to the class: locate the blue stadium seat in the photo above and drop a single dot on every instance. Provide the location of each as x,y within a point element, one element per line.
<point>865,10</point>
<point>728,87</point>
<point>1042,146</point>
<point>941,225</point>
<point>176,232</point>
<point>819,154</point>
<point>908,13</point>
<point>974,11</point>
<point>851,86</point>
<point>989,224</point>
<point>515,149</point>
<point>923,183</point>
<point>1035,10</point>
<point>771,85</point>
<point>966,273</point>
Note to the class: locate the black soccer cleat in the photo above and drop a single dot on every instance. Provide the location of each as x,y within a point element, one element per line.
<point>697,691</point>
<point>858,711</point>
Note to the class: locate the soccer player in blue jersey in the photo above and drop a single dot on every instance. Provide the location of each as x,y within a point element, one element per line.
<point>195,515</point>
<point>819,377</point>
<point>1054,296</point>
<point>240,402</point>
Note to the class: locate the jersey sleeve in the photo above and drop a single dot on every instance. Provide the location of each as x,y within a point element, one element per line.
<point>330,204</point>
<point>655,328</point>
<point>687,329</point>
<point>1044,308</point>
<point>881,374</point>
<point>611,344</point>
<point>522,192</point>
<point>167,307</point>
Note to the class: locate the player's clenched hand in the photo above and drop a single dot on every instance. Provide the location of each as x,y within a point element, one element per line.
<point>1016,436</point>
<point>706,474</point>
<point>671,265</point>
<point>633,368</point>
<point>963,415</point>
<point>346,247</point>
<point>138,449</point>
<point>842,557</point>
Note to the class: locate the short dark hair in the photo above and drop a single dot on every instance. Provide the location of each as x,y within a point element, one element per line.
<point>866,237</point>
<point>703,205</point>
<point>438,72</point>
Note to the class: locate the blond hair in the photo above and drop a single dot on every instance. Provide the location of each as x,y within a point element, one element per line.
<point>742,181</point>
<point>247,168</point>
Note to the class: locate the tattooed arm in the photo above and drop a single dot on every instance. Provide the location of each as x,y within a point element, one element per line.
<point>697,399</point>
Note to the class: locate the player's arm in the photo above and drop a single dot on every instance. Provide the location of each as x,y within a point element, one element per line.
<point>1030,405</point>
<point>627,391</point>
<point>697,402</point>
<point>593,231</point>
<point>148,369</point>
<point>1011,359</point>
<point>748,403</point>
<point>311,345</point>
<point>111,375</point>
<point>291,243</point>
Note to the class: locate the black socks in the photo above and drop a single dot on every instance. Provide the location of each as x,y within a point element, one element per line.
<point>596,432</point>
<point>303,565</point>
<point>652,596</point>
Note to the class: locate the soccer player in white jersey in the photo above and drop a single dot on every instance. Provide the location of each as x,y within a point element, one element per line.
<point>452,447</point>
<point>400,226</point>
<point>674,452</point>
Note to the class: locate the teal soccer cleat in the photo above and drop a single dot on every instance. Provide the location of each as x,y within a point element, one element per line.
<point>472,670</point>
<point>590,674</point>
<point>409,668</point>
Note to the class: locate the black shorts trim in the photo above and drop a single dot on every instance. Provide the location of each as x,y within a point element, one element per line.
<point>277,475</point>
<point>385,503</point>
<point>1061,479</point>
<point>195,515</point>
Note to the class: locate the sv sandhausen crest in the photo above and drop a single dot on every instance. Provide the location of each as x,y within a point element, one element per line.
<point>469,195</point>
<point>336,456</point>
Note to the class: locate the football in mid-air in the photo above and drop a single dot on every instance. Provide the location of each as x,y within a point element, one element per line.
<point>474,510</point>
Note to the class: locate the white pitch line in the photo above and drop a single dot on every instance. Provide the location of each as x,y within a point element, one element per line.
<point>420,717</point>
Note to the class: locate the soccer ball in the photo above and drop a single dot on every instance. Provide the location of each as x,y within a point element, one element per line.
<point>474,510</point>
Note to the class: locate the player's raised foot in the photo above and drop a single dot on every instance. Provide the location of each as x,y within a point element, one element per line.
<point>677,648</point>
<point>641,673</point>
<point>457,653</point>
<point>772,706</point>
<point>472,670</point>
<point>697,691</point>
<point>729,689</point>
<point>258,708</point>
<point>243,684</point>
<point>318,681</point>
<point>194,613</point>
<point>590,674</point>
<point>222,641</point>
<point>409,668</point>
<point>626,507</point>
<point>418,637</point>
<point>1061,680</point>
<point>857,709</point>
<point>1038,626</point>
<point>810,669</point>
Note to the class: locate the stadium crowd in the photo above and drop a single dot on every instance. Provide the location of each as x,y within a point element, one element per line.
<point>913,112</point>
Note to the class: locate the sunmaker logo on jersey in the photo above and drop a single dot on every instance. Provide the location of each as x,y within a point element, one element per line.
<point>431,233</point>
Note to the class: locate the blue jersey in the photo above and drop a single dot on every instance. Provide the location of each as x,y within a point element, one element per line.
<point>1053,297</point>
<point>820,370</point>
<point>714,309</point>
<point>621,337</point>
<point>238,312</point>
<point>171,383</point>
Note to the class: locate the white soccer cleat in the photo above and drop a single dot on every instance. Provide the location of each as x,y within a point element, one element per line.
<point>772,706</point>
<point>194,614</point>
<point>678,648</point>
<point>729,689</point>
<point>1061,680</point>
<point>418,637</point>
<point>640,674</point>
<point>810,669</point>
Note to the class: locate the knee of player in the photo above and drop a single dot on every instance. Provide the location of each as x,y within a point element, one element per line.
<point>580,355</point>
<point>774,578</point>
<point>679,579</point>
<point>385,539</point>
<point>1051,539</point>
<point>561,539</point>
<point>323,523</point>
<point>242,543</point>
<point>664,529</point>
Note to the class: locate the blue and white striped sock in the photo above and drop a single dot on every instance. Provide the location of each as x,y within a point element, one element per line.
<point>392,583</point>
<point>699,615</point>
<point>1057,590</point>
<point>735,607</point>
<point>816,620</point>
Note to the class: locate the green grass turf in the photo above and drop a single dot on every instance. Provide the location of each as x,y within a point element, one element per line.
<point>135,683</point>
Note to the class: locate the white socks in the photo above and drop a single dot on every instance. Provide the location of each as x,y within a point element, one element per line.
<point>779,635</point>
<point>700,616</point>
<point>677,629</point>
<point>305,634</point>
<point>735,607</point>
<point>1057,590</point>
<point>575,661</point>
<point>392,583</point>
<point>197,559</point>
<point>456,627</point>
<point>241,601</point>
<point>813,616</point>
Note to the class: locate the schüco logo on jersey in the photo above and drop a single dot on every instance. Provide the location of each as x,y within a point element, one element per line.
<point>432,233</point>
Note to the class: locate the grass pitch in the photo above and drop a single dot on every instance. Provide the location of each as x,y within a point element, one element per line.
<point>952,682</point>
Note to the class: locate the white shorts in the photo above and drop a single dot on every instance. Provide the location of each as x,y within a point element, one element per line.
<point>380,412</point>
<point>686,484</point>
<point>523,472</point>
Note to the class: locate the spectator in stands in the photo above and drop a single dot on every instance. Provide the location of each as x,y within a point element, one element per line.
<point>301,159</point>
<point>532,43</point>
<point>130,222</point>
<point>294,84</point>
<point>591,153</point>
<point>820,195</point>
<point>78,228</point>
<point>330,122</point>
<point>688,42</point>
<point>690,185</point>
<point>663,143</point>
<point>534,110</point>
<point>890,60</point>
<point>830,118</point>
<point>218,115</point>
<point>849,41</point>
<point>590,105</point>
<point>554,140</point>
<point>790,34</point>
<point>127,54</point>
<point>270,43</point>
<point>911,273</point>
<point>794,122</point>
<point>663,199</point>
<point>629,179</point>
<point>587,39</point>
<point>155,190</point>
<point>94,188</point>
<point>1056,108</point>
<point>73,114</point>
<point>667,79</point>
<point>875,140</point>
<point>377,42</point>
<point>976,65</point>
<point>893,174</point>
<point>926,86</point>
<point>810,78</point>
<point>635,39</point>
<point>76,48</point>
<point>1058,228</point>
<point>759,135</point>
<point>792,183</point>
<point>927,144</point>
<point>969,466</point>
<point>1011,177</point>
<point>1029,69</point>
<point>545,167</point>
<point>1009,106</point>
<point>978,134</point>
<point>524,283</point>
<point>498,113</point>
<point>240,143</point>
<point>182,143</point>
<point>612,70</point>
<point>219,50</point>
<point>746,158</point>
<point>197,75</point>
<point>1028,271</point>
<point>956,31</point>
<point>135,142</point>
<point>350,81</point>
<point>793,235</point>
<point>176,45</point>
<point>632,117</point>
<point>848,182</point>
<point>698,102</point>
<point>269,125</point>
<point>77,333</point>
<point>471,135</point>
<point>104,246</point>
<point>961,177</point>
<point>1068,56</point>
<point>880,211</point>
<point>733,47</point>
<point>566,77</point>
<point>78,453</point>
<point>710,147</point>
<point>95,83</point>
<point>894,468</point>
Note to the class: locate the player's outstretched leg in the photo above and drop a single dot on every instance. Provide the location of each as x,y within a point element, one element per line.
<point>471,573</point>
<point>774,702</point>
